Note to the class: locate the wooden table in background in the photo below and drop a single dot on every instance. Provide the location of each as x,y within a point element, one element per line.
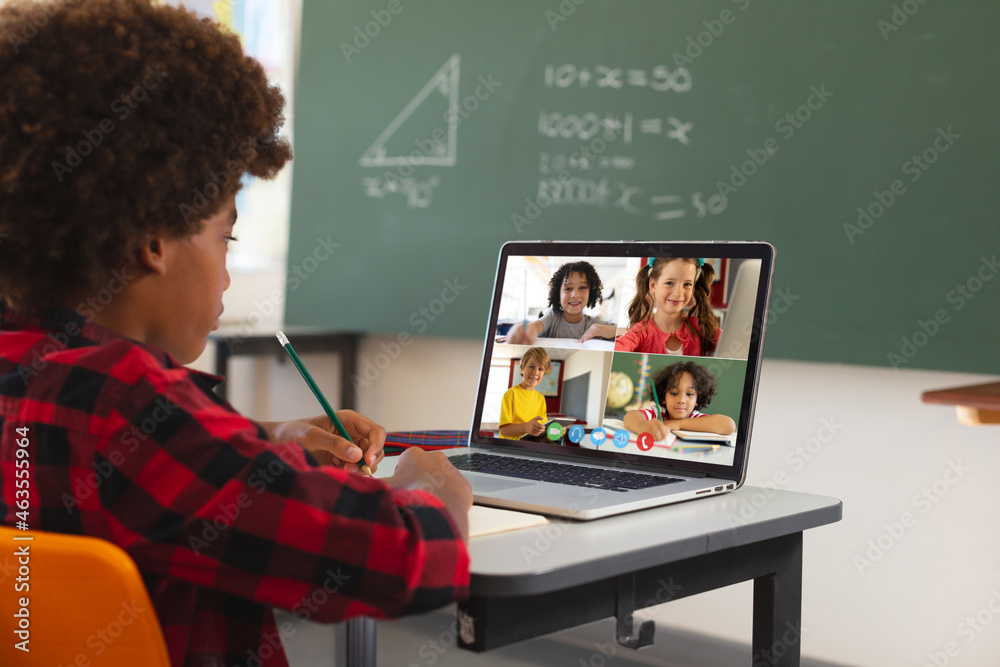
<point>976,404</point>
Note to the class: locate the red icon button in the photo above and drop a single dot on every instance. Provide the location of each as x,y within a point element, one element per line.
<point>645,441</point>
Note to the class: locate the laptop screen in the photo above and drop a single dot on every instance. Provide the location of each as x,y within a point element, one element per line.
<point>645,353</point>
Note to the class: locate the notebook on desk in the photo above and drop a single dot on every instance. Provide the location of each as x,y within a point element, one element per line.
<point>598,468</point>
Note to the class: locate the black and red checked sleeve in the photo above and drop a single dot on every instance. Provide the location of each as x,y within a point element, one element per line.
<point>199,495</point>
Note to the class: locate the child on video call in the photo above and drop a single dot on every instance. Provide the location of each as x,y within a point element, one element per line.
<point>522,409</point>
<point>671,312</point>
<point>573,287</point>
<point>682,388</point>
<point>112,271</point>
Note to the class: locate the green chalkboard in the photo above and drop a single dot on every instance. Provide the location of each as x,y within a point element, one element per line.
<point>859,137</point>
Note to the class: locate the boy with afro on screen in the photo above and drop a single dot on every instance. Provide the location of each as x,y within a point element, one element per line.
<point>573,287</point>
<point>683,389</point>
<point>125,130</point>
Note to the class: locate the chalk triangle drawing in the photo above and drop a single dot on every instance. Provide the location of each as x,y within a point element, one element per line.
<point>441,154</point>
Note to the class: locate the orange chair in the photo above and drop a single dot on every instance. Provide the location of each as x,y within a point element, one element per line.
<point>86,604</point>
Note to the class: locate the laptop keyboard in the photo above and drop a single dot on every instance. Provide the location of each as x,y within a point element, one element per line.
<point>560,473</point>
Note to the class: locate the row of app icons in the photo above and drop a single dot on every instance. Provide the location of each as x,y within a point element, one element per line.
<point>598,436</point>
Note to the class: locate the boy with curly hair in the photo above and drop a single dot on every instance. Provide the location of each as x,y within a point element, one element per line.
<point>684,389</point>
<point>573,287</point>
<point>125,129</point>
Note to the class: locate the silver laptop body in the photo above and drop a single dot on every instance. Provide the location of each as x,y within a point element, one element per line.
<point>592,385</point>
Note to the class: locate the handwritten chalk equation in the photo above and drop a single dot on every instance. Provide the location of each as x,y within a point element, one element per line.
<point>555,163</point>
<point>632,199</point>
<point>586,126</point>
<point>418,193</point>
<point>660,78</point>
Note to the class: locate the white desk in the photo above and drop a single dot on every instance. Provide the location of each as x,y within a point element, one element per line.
<point>536,581</point>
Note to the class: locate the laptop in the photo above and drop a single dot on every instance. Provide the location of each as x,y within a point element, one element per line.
<point>586,464</point>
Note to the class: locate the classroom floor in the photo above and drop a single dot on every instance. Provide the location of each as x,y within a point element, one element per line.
<point>427,640</point>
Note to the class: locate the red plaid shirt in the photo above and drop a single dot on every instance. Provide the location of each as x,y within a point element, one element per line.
<point>129,446</point>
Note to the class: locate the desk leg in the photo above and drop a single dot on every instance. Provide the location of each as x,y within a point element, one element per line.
<point>777,608</point>
<point>627,632</point>
<point>222,354</point>
<point>774,565</point>
<point>354,642</point>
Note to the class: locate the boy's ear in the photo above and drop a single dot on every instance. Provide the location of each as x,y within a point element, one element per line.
<point>152,255</point>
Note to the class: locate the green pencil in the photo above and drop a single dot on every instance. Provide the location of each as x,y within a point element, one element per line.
<point>283,339</point>
<point>656,399</point>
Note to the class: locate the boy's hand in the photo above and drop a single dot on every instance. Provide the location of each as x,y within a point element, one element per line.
<point>520,335</point>
<point>319,436</point>
<point>534,426</point>
<point>659,430</point>
<point>434,473</point>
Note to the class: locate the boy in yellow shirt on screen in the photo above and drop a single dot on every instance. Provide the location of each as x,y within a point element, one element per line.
<point>522,409</point>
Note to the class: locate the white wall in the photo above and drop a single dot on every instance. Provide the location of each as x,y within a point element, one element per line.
<point>855,433</point>
<point>597,384</point>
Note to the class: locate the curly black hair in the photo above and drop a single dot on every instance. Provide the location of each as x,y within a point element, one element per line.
<point>119,119</point>
<point>556,283</point>
<point>669,377</point>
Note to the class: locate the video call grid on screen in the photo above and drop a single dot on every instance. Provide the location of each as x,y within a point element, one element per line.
<point>595,385</point>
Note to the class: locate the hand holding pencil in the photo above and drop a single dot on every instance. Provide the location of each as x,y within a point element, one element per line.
<point>364,450</point>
